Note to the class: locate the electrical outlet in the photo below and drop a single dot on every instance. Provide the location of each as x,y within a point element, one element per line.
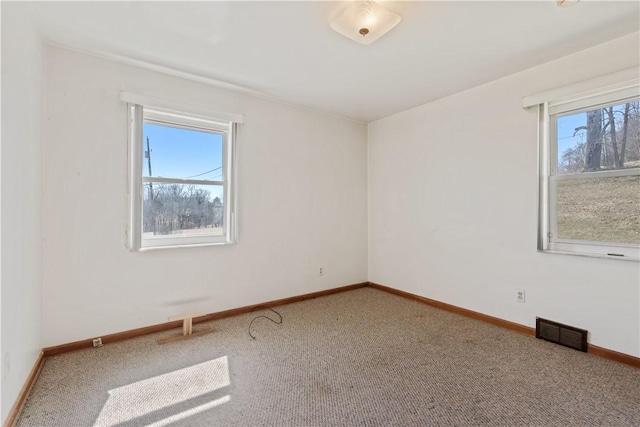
<point>520,295</point>
<point>320,271</point>
<point>97,342</point>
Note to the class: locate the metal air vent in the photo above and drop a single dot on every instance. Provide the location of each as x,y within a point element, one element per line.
<point>558,333</point>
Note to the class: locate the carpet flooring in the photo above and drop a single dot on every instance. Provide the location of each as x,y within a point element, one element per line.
<point>358,358</point>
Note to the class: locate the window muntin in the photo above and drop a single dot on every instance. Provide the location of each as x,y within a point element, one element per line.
<point>181,184</point>
<point>591,181</point>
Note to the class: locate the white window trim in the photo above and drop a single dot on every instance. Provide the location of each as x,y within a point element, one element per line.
<point>152,102</point>
<point>599,85</point>
<point>547,161</point>
<point>178,115</point>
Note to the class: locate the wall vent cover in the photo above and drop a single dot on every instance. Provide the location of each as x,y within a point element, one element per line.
<point>558,333</point>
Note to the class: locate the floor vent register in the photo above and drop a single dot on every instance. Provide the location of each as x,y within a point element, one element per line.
<point>558,333</point>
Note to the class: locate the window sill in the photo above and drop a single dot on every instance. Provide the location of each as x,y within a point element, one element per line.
<point>588,255</point>
<point>188,245</point>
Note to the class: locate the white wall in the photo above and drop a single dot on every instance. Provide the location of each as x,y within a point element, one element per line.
<point>301,199</point>
<point>461,231</point>
<point>453,208</point>
<point>22,83</point>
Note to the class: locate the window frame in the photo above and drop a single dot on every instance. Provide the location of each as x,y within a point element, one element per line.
<point>548,112</point>
<point>140,112</point>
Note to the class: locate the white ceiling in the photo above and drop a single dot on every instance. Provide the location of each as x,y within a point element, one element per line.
<point>287,51</point>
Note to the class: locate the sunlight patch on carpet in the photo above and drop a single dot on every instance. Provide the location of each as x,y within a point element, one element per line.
<point>191,412</point>
<point>167,392</point>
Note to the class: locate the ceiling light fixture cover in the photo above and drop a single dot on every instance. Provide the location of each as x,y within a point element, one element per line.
<point>365,21</point>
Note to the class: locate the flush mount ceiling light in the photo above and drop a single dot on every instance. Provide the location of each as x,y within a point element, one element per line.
<point>365,21</point>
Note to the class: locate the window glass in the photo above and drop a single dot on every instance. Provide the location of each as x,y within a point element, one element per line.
<point>605,209</point>
<point>599,139</point>
<point>174,152</point>
<point>170,209</point>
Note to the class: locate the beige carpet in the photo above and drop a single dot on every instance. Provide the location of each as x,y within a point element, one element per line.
<point>360,358</point>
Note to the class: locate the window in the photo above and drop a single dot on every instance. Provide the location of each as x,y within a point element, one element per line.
<point>590,174</point>
<point>181,177</point>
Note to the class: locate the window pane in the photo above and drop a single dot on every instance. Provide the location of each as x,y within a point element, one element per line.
<point>600,139</point>
<point>182,209</point>
<point>599,209</point>
<point>172,152</point>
